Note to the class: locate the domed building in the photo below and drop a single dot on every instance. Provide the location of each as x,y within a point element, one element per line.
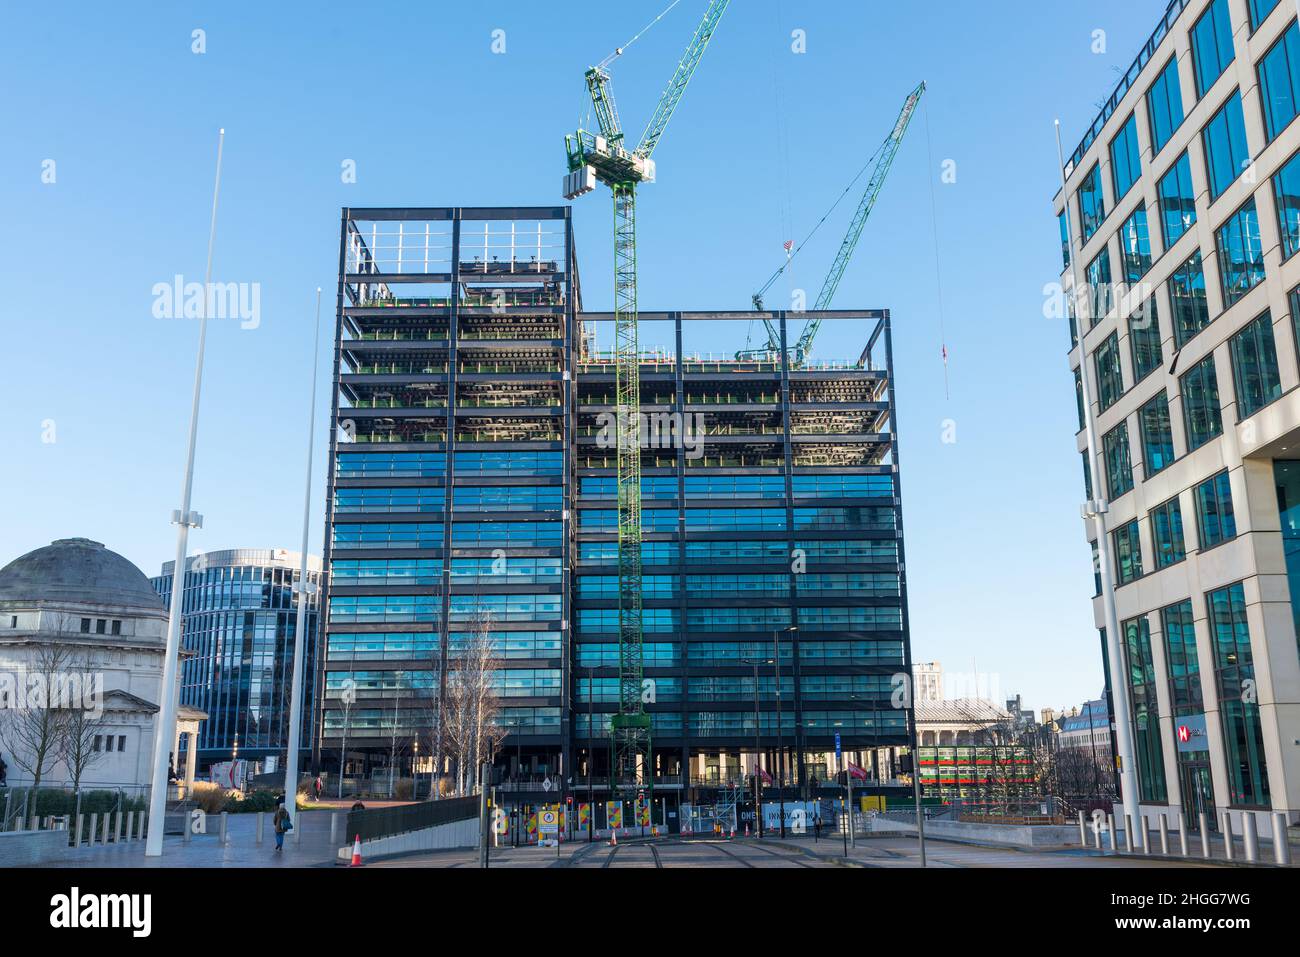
<point>81,623</point>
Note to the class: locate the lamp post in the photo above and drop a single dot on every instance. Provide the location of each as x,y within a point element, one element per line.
<point>1097,510</point>
<point>184,519</point>
<point>758,781</point>
<point>304,591</point>
<point>780,744</point>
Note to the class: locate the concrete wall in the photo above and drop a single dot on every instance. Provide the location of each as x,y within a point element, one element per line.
<point>1039,835</point>
<point>32,848</point>
<point>440,838</point>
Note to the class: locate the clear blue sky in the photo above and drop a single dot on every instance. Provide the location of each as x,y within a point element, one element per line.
<point>998,567</point>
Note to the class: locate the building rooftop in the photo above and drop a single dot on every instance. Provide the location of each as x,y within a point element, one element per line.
<point>79,571</point>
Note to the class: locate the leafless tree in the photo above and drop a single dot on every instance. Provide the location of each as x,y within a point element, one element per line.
<point>472,705</point>
<point>31,731</point>
<point>78,728</point>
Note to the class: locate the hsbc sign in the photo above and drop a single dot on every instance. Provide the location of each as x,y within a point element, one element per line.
<point>1191,734</point>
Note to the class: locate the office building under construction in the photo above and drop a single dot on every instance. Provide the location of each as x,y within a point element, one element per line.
<point>472,501</point>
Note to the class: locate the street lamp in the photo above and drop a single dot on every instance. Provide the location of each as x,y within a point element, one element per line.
<point>758,782</point>
<point>780,744</point>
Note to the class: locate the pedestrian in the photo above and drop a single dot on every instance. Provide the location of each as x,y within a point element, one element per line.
<point>817,827</point>
<point>282,824</point>
<point>319,786</point>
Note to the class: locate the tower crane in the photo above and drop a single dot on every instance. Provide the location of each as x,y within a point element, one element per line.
<point>602,157</point>
<point>879,163</point>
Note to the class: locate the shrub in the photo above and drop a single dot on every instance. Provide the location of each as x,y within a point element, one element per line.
<point>210,797</point>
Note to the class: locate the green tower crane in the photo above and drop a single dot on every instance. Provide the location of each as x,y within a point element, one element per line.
<point>601,157</point>
<point>879,163</point>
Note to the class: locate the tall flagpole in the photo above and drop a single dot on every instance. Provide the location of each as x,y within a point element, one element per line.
<point>1096,509</point>
<point>304,590</point>
<point>184,519</point>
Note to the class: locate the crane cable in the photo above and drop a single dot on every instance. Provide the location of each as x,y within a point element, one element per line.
<point>934,229</point>
<point>871,161</point>
<point>618,51</point>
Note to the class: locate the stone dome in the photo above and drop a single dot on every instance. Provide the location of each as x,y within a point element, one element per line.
<point>79,571</point>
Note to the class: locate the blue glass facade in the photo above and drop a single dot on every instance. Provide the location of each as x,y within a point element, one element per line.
<point>240,611</point>
<point>781,542</point>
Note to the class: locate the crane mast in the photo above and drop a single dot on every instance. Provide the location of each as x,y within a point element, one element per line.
<point>601,157</point>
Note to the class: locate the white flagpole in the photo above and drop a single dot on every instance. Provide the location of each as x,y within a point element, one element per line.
<point>184,519</point>
<point>1097,510</point>
<point>304,591</point>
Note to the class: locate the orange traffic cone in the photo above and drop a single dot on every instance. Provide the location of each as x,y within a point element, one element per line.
<point>746,830</point>
<point>356,853</point>
<point>733,832</point>
<point>613,837</point>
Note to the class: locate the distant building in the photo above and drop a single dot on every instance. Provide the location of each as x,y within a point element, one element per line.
<point>1086,728</point>
<point>958,721</point>
<point>927,677</point>
<point>77,611</point>
<point>240,611</point>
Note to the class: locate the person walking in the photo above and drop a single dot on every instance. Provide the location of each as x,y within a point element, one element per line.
<point>319,786</point>
<point>282,823</point>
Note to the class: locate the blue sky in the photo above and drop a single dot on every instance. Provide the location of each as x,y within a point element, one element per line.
<point>764,141</point>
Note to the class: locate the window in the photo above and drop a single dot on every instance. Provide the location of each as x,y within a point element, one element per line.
<point>1146,715</point>
<point>1211,46</point>
<point>1164,106</point>
<point>1200,388</point>
<point>98,744</point>
<point>1110,377</point>
<point>1078,392</point>
<point>1128,553</point>
<point>101,626</point>
<point>1215,521</point>
<point>1065,241</point>
<point>1286,200</point>
<point>1144,340</point>
<point>117,627</point>
<point>1167,533</point>
<point>1157,434</point>
<point>1187,294</point>
<point>1177,201</point>
<point>1099,288</point>
<point>121,742</point>
<point>1226,152</point>
<point>1092,203</point>
<point>1259,9</point>
<point>1234,673</point>
<point>1279,82</point>
<point>1125,158</point>
<point>1254,366</point>
<point>1182,660</point>
<point>1135,246</point>
<point>109,741</point>
<point>1119,466</point>
<point>1241,254</point>
<point>85,626</point>
<point>1087,477</point>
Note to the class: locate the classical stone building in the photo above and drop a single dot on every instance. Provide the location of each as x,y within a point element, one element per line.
<point>84,623</point>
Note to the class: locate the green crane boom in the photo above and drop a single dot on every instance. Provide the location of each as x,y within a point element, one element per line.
<point>883,159</point>
<point>601,157</point>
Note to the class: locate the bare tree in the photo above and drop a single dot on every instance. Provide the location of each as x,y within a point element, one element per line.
<point>78,730</point>
<point>32,731</point>
<point>472,704</point>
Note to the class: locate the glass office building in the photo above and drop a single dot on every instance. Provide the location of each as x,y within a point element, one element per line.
<point>1192,349</point>
<point>237,641</point>
<point>473,487</point>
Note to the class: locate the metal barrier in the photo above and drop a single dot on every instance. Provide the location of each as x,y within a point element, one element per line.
<point>378,822</point>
